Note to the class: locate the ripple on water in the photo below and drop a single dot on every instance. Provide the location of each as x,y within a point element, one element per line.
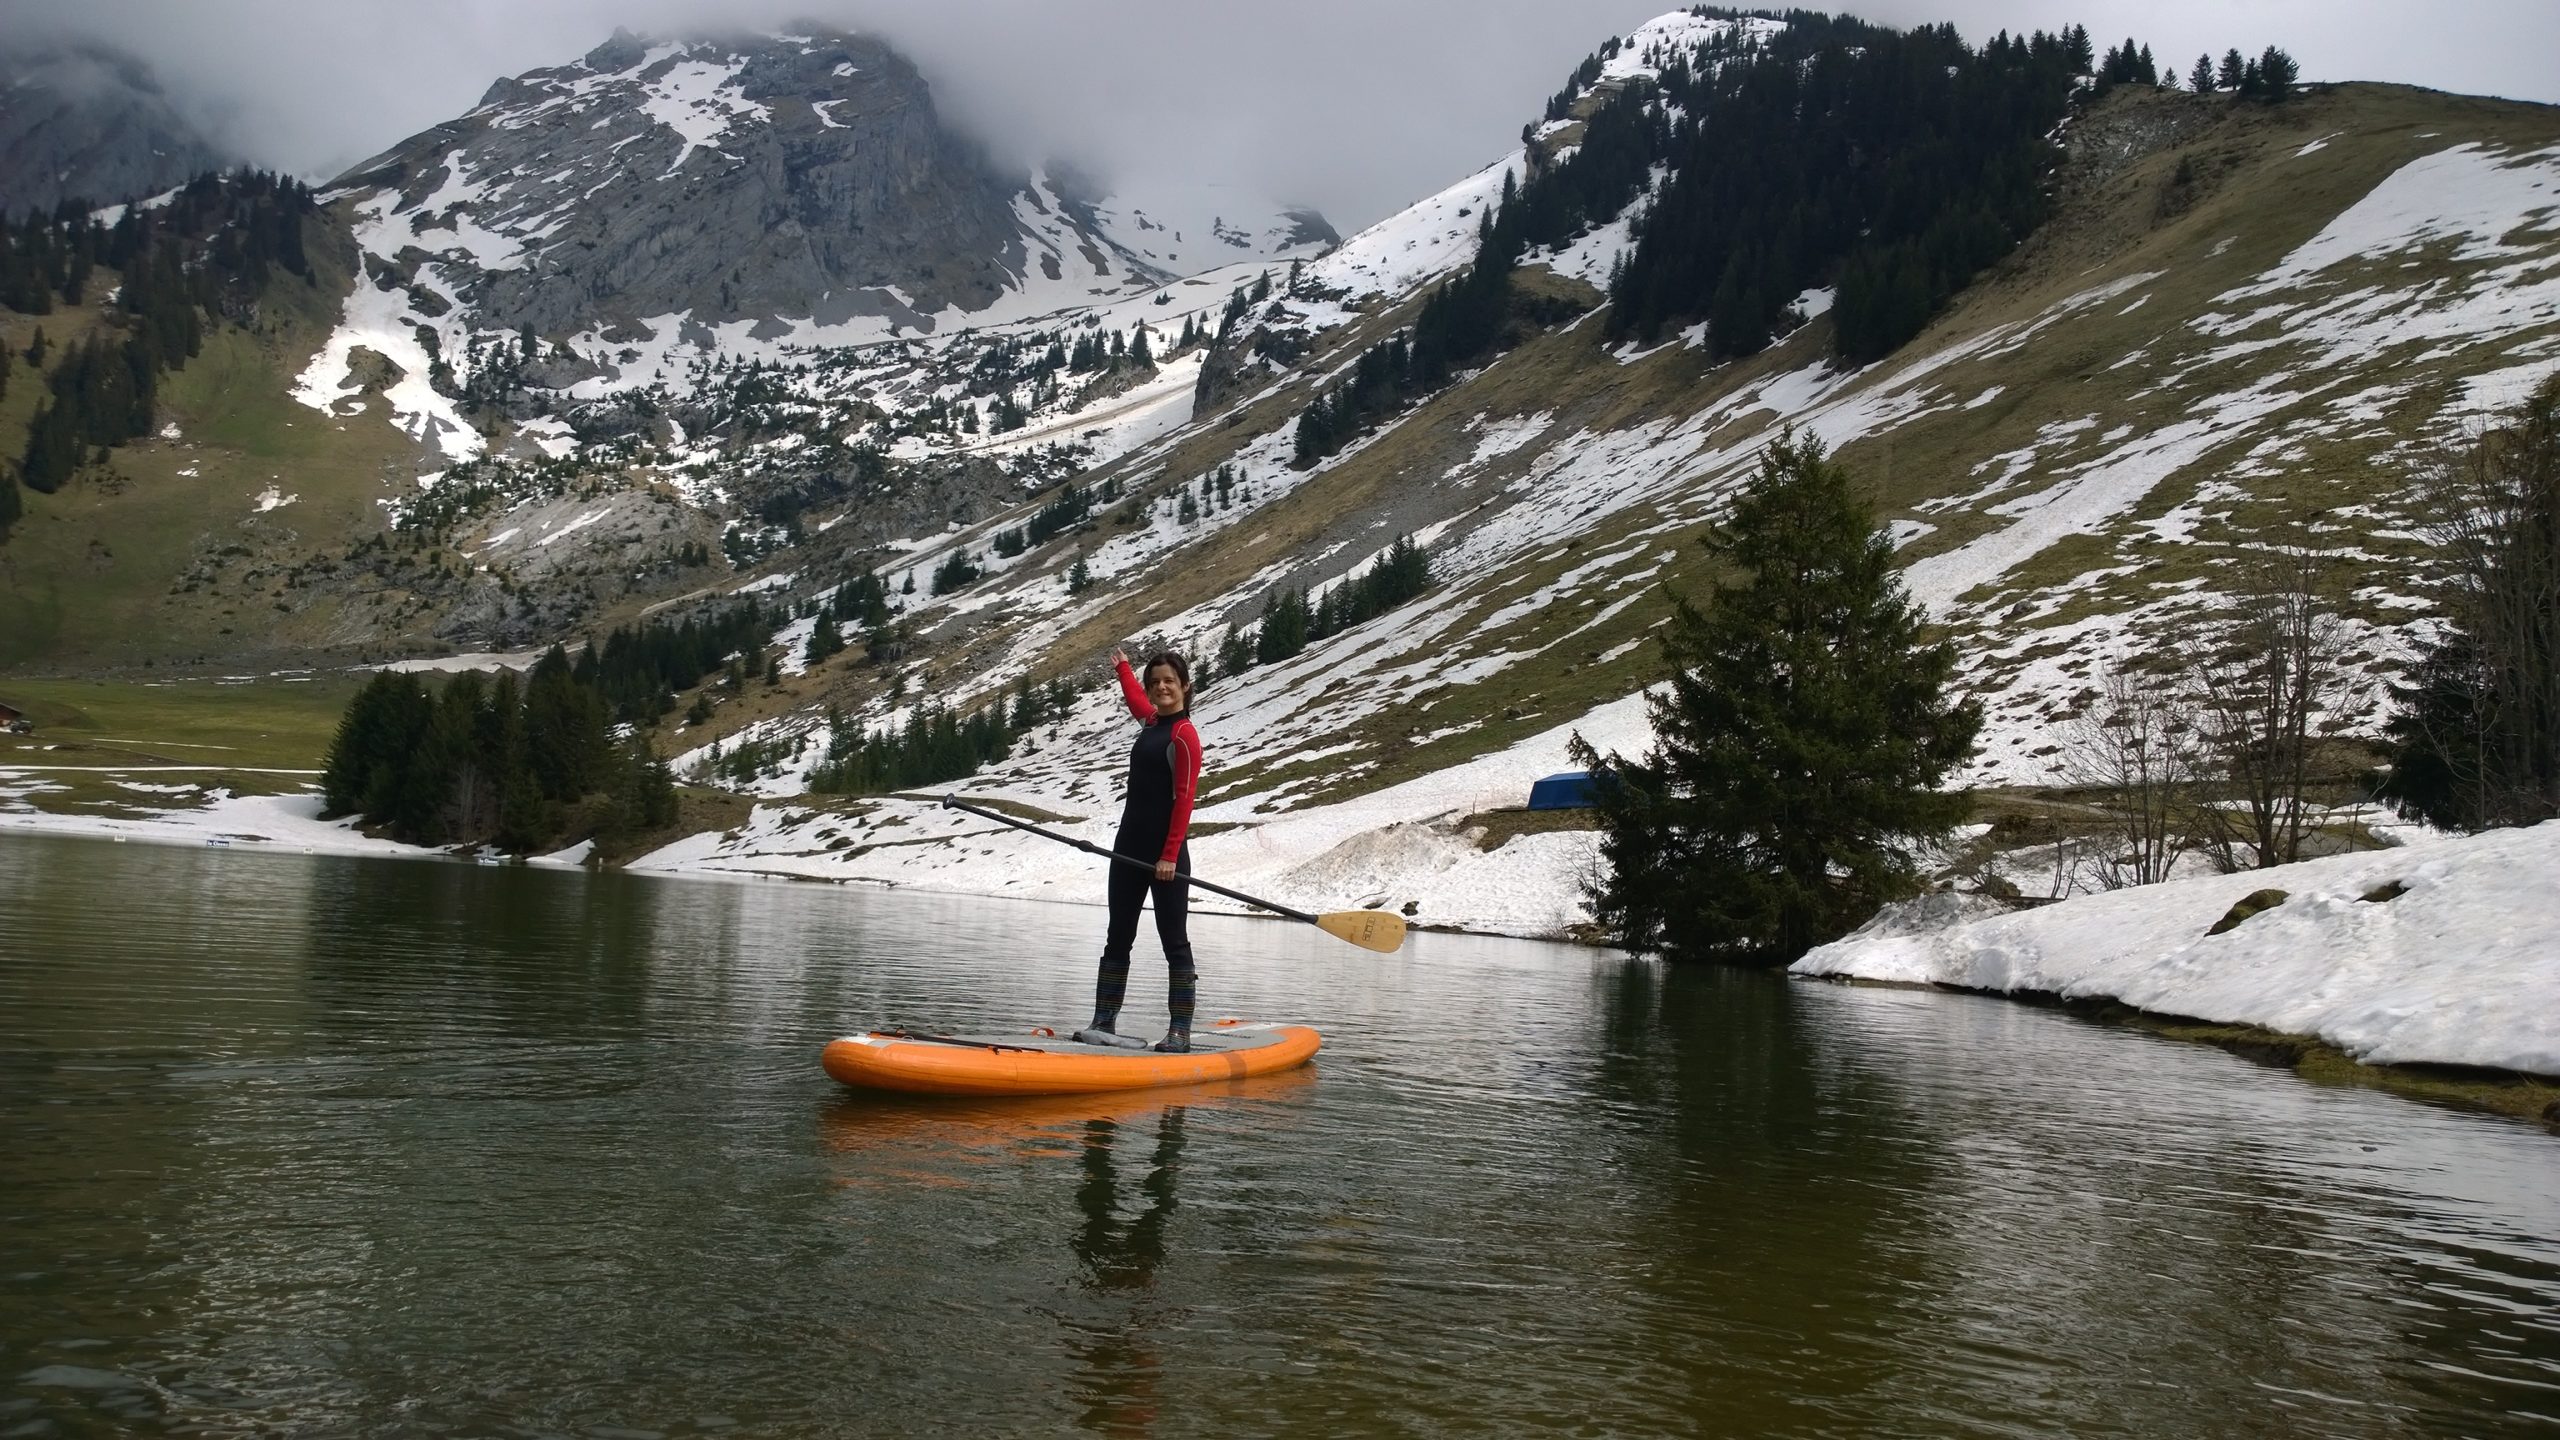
<point>318,1145</point>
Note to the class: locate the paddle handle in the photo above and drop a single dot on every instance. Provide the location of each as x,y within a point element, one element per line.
<point>956,803</point>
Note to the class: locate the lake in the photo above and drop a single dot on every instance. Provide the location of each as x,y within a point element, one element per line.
<point>309,1145</point>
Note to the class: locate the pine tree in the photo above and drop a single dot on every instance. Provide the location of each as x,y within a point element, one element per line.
<point>643,794</point>
<point>566,741</point>
<point>825,640</point>
<point>2277,74</point>
<point>1805,737</point>
<point>2475,740</point>
<point>2200,79</point>
<point>1286,619</point>
<point>369,767</point>
<point>2233,68</point>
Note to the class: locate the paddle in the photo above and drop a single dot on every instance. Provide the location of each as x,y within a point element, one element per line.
<point>1368,929</point>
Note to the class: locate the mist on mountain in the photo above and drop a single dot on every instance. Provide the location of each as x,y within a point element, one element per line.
<point>1349,108</point>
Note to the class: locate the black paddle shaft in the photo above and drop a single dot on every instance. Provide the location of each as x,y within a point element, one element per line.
<point>956,803</point>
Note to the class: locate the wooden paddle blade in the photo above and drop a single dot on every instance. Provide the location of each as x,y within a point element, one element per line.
<point>1368,929</point>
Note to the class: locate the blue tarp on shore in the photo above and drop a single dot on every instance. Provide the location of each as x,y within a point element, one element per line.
<point>1568,791</point>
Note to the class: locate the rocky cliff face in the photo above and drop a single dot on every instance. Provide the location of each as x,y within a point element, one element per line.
<point>769,177</point>
<point>801,183</point>
<point>83,121</point>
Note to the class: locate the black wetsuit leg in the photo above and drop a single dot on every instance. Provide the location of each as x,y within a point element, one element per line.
<point>1173,927</point>
<point>1129,889</point>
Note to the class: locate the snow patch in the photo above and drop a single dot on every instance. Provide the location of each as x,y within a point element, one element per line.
<point>2462,968</point>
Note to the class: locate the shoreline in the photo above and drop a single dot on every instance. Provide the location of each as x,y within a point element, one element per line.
<point>2443,954</point>
<point>2514,1094</point>
<point>1948,959</point>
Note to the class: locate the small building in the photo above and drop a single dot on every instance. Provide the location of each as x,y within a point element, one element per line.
<point>1568,791</point>
<point>13,720</point>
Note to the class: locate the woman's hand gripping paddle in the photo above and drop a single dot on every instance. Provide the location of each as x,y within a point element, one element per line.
<point>1369,929</point>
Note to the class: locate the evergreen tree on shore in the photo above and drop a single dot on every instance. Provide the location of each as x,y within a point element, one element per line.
<point>1806,735</point>
<point>531,762</point>
<point>2475,740</point>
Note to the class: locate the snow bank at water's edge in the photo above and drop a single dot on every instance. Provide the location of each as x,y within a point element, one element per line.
<point>2461,966</point>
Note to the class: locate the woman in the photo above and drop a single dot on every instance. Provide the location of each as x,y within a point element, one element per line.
<point>1164,775</point>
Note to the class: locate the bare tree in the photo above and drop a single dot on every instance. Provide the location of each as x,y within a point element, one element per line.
<point>2259,682</point>
<point>2137,746</point>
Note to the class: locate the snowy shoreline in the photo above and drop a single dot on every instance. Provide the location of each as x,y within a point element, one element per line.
<point>2445,952</point>
<point>2460,965</point>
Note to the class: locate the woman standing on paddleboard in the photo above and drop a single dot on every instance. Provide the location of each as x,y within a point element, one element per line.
<point>1164,775</point>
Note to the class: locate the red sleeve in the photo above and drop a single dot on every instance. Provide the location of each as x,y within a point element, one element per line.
<point>1136,694</point>
<point>1184,756</point>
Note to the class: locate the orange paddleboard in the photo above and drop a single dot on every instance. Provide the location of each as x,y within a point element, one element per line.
<point>1041,1062</point>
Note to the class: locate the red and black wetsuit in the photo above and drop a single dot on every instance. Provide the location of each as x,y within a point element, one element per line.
<point>1164,776</point>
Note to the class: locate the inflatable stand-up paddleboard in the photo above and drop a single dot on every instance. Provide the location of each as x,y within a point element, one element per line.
<point>1043,1062</point>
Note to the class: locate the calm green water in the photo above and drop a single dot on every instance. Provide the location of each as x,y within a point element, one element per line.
<point>309,1146</point>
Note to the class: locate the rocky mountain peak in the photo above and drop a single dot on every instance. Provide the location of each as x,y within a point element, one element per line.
<point>660,203</point>
<point>764,178</point>
<point>798,181</point>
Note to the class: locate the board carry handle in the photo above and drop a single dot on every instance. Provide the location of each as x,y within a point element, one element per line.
<point>1369,929</point>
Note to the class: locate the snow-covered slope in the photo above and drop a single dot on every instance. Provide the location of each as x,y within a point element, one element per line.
<point>2444,953</point>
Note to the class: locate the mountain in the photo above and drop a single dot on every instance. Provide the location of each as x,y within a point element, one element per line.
<point>2240,325</point>
<point>84,121</point>
<point>581,301</point>
<point>2223,323</point>
<point>662,201</point>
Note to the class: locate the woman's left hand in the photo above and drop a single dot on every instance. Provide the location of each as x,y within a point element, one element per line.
<point>1164,871</point>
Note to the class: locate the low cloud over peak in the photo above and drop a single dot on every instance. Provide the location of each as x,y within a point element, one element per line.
<point>1355,107</point>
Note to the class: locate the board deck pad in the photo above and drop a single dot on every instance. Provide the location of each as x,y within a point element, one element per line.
<point>1203,1042</point>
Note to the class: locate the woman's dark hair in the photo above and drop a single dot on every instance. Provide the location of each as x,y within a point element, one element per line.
<point>1181,669</point>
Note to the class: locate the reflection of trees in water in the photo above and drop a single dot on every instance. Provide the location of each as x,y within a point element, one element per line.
<point>1773,1220</point>
<point>1119,1364</point>
<point>1860,1206</point>
<point>507,949</point>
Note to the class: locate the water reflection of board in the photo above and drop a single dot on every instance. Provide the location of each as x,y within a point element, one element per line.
<point>1041,1062</point>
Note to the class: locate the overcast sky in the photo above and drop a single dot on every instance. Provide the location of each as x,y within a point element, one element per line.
<point>1355,106</point>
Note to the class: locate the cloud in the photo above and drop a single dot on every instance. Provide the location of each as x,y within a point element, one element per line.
<point>1354,106</point>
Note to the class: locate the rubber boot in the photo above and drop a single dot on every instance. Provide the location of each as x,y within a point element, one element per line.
<point>1101,1033</point>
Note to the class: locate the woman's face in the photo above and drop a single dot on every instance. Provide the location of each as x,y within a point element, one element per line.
<point>1167,690</point>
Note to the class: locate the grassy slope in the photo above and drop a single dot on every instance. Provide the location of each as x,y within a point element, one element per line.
<point>91,736</point>
<point>2258,200</point>
<point>96,576</point>
<point>268,723</point>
